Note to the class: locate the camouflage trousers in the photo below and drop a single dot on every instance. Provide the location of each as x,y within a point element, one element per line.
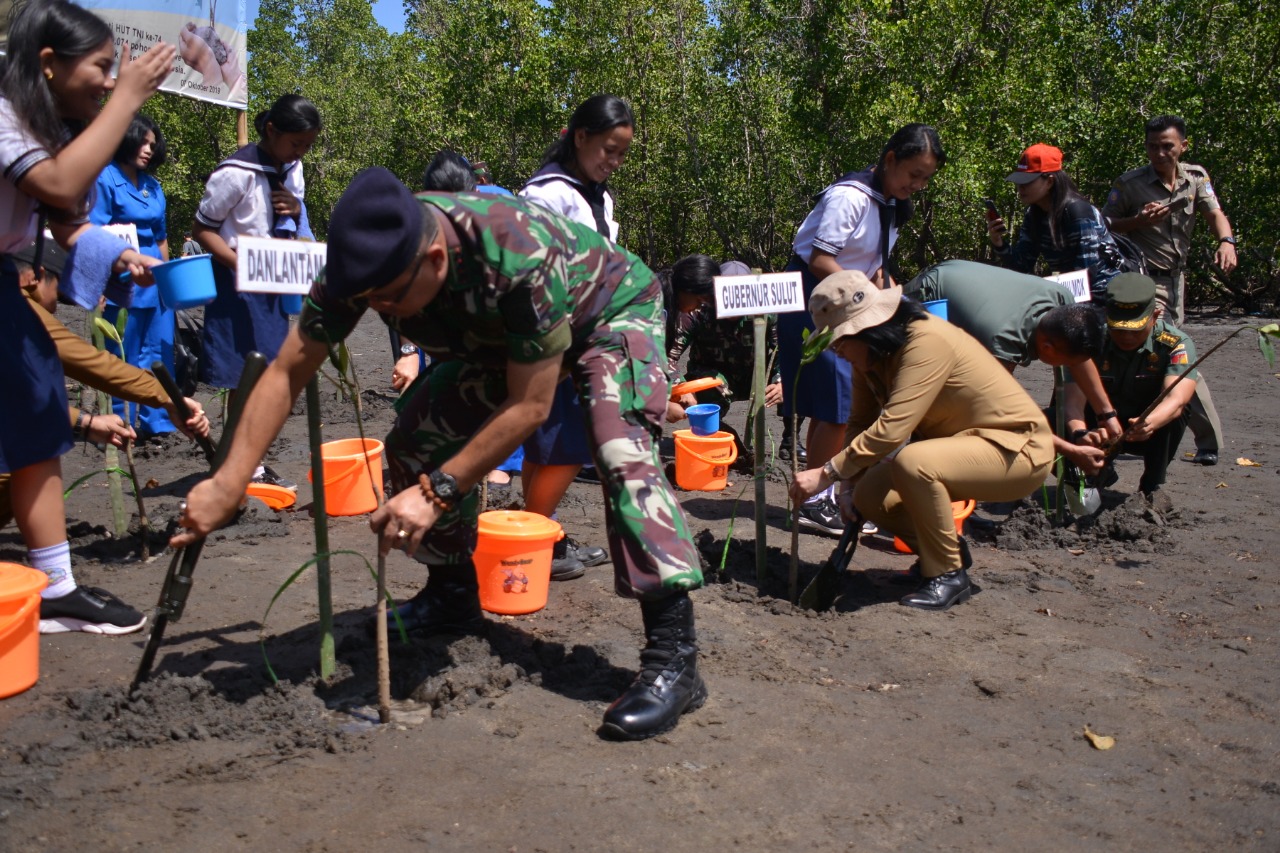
<point>621,379</point>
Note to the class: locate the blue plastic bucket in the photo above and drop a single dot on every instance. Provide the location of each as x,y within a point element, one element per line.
<point>186,282</point>
<point>937,308</point>
<point>704,419</point>
<point>291,303</point>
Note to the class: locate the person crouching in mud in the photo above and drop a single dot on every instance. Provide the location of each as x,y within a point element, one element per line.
<point>505,296</point>
<point>975,433</point>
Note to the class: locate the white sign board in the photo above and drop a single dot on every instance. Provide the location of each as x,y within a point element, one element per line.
<point>126,231</point>
<point>745,295</point>
<point>1077,282</point>
<point>264,265</point>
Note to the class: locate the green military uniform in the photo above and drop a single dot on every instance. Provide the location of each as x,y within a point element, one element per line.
<point>1167,245</point>
<point>724,349</point>
<point>1134,379</point>
<point>999,307</point>
<point>525,284</point>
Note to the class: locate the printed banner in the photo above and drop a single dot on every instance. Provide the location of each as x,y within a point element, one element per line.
<point>209,36</point>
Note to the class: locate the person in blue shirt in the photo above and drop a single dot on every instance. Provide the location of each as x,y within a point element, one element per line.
<point>127,192</point>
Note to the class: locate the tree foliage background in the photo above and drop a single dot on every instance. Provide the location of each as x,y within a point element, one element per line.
<point>747,108</point>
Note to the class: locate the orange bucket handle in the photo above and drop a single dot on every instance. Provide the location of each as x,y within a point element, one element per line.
<point>733,455</point>
<point>347,468</point>
<point>19,619</point>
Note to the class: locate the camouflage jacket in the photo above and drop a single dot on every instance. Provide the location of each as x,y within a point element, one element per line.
<point>725,346</point>
<point>523,284</point>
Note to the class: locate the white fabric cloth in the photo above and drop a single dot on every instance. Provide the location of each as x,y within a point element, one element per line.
<point>846,223</point>
<point>548,188</point>
<point>19,151</point>
<point>238,201</point>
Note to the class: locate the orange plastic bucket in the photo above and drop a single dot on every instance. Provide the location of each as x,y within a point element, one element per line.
<point>513,560</point>
<point>702,461</point>
<point>960,509</point>
<point>347,487</point>
<point>19,627</point>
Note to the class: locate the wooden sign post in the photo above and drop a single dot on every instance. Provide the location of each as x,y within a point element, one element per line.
<point>758,296</point>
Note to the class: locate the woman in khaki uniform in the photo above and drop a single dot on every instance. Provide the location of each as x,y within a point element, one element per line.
<point>977,433</point>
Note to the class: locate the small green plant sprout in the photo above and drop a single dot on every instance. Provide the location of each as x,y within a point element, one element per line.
<point>102,331</point>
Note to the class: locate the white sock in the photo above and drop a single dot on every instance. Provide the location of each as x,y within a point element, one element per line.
<point>54,561</point>
<point>258,472</point>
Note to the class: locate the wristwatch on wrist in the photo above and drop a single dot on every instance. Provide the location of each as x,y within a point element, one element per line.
<point>830,470</point>
<point>1231,240</point>
<point>445,487</point>
<point>1103,417</point>
<point>408,349</point>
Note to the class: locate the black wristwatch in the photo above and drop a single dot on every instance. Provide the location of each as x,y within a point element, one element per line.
<point>408,349</point>
<point>1231,240</point>
<point>445,487</point>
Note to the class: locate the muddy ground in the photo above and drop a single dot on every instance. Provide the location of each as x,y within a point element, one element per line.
<point>869,727</point>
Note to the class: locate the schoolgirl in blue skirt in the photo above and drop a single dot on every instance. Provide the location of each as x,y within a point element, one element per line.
<point>256,192</point>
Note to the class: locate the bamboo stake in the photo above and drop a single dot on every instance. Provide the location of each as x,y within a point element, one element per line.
<point>328,660</point>
<point>384,652</point>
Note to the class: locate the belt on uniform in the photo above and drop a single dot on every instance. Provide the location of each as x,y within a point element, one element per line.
<point>1164,273</point>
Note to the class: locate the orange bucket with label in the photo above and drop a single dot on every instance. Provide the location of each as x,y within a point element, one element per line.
<point>348,489</point>
<point>959,509</point>
<point>19,627</point>
<point>702,461</point>
<point>513,560</point>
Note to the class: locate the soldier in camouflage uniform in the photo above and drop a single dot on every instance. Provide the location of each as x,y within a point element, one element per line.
<point>1142,356</point>
<point>506,297</point>
<point>1156,205</point>
<point>724,349</point>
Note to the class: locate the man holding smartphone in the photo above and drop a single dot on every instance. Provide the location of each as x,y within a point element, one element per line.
<point>1155,205</point>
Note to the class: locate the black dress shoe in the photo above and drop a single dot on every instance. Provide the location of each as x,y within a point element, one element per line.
<point>565,565</point>
<point>942,592</point>
<point>1205,457</point>
<point>588,555</point>
<point>443,607</point>
<point>912,574</point>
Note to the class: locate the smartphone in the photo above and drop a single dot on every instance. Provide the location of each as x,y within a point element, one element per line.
<point>993,212</point>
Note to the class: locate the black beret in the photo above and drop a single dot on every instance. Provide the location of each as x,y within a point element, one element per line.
<point>374,234</point>
<point>54,260</point>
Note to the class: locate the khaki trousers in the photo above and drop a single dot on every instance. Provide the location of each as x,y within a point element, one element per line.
<point>910,494</point>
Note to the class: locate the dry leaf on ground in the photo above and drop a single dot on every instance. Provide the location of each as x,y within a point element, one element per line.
<point>1248,463</point>
<point>1099,741</point>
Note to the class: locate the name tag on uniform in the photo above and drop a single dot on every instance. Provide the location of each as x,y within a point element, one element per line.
<point>127,232</point>
<point>745,295</point>
<point>265,265</point>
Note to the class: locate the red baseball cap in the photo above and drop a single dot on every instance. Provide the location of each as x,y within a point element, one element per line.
<point>1036,160</point>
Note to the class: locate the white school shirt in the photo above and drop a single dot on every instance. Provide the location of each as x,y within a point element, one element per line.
<point>548,188</point>
<point>845,223</point>
<point>238,201</point>
<point>19,151</point>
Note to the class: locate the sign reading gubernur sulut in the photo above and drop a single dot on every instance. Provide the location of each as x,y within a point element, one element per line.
<point>772,293</point>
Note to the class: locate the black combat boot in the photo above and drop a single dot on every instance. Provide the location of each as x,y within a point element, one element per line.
<point>668,684</point>
<point>449,604</point>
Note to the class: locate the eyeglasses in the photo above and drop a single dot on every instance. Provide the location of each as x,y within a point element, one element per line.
<point>393,299</point>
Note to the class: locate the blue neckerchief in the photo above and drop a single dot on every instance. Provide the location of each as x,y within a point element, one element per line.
<point>252,158</point>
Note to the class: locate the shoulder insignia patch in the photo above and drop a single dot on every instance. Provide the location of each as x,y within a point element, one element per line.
<point>1169,339</point>
<point>1178,356</point>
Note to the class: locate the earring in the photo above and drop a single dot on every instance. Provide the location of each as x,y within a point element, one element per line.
<point>48,74</point>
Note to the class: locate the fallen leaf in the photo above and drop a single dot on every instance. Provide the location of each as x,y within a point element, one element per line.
<point>1221,486</point>
<point>151,484</point>
<point>1075,552</point>
<point>1247,463</point>
<point>1099,741</point>
<point>1044,611</point>
<point>1188,455</point>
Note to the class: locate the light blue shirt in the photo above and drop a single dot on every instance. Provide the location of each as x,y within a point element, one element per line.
<point>118,201</point>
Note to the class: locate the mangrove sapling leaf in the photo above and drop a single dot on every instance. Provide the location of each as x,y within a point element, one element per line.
<point>1268,350</point>
<point>106,329</point>
<point>288,582</point>
<point>81,481</point>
